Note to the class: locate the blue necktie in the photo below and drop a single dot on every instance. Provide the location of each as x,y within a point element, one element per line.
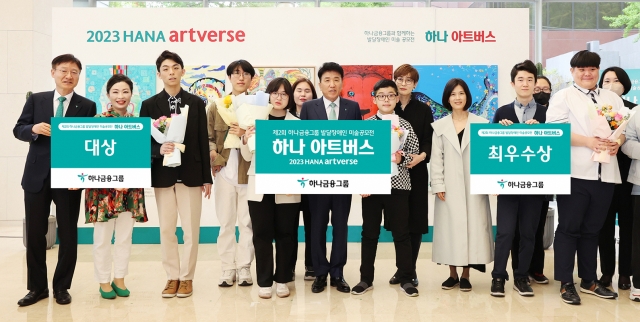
<point>60,109</point>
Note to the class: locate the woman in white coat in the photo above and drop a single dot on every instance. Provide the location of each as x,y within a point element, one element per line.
<point>462,232</point>
<point>273,216</point>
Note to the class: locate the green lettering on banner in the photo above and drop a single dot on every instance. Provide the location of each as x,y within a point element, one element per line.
<point>127,35</point>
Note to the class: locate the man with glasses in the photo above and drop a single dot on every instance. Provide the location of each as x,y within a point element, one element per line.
<point>230,187</point>
<point>34,127</point>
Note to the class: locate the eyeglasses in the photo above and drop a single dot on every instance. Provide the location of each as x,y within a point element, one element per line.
<point>385,97</point>
<point>237,73</point>
<point>74,72</point>
<point>407,81</point>
<point>279,95</point>
<point>537,90</point>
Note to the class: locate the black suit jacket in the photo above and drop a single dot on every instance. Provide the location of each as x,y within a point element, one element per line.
<point>195,169</point>
<point>39,108</point>
<point>508,112</point>
<point>315,110</point>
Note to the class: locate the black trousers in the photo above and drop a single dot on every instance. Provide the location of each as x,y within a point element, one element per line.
<point>339,206</point>
<point>273,221</point>
<point>37,207</point>
<point>537,259</point>
<point>580,218</point>
<point>520,212</point>
<point>306,221</point>
<point>396,218</point>
<point>622,205</point>
<point>635,257</point>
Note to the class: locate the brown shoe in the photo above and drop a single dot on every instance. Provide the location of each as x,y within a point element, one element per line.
<point>186,289</point>
<point>171,289</point>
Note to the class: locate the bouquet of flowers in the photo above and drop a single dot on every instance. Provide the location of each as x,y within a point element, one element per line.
<point>252,108</point>
<point>607,124</point>
<point>226,109</point>
<point>171,129</point>
<point>398,137</point>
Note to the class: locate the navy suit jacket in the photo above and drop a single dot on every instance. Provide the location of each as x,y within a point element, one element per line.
<point>509,112</point>
<point>315,110</point>
<point>38,109</point>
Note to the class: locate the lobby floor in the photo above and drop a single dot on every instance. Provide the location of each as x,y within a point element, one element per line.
<point>209,302</point>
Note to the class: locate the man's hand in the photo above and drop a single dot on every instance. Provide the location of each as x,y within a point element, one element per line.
<point>505,122</point>
<point>167,147</point>
<point>531,121</point>
<point>216,169</point>
<point>206,190</point>
<point>365,195</point>
<point>213,155</point>
<point>613,147</point>
<point>42,129</point>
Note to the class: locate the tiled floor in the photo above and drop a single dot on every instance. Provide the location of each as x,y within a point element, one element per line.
<point>210,303</point>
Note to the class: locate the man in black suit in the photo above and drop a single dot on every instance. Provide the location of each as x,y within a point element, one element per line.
<point>34,126</point>
<point>520,212</point>
<point>178,189</point>
<point>330,107</point>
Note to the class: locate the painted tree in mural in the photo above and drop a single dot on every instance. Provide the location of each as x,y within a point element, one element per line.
<point>629,19</point>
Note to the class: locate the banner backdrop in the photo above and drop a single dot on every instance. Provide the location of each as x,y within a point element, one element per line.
<point>299,39</point>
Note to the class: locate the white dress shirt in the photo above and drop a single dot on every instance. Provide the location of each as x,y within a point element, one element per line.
<point>328,109</point>
<point>65,103</point>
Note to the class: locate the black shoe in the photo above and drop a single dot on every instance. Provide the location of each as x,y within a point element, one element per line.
<point>394,280</point>
<point>497,287</point>
<point>62,297</point>
<point>569,294</point>
<point>319,284</point>
<point>309,274</point>
<point>597,289</point>
<point>465,285</point>
<point>624,283</point>
<point>33,297</point>
<point>409,290</point>
<point>605,280</point>
<point>522,286</point>
<point>450,283</point>
<point>539,278</point>
<point>340,284</point>
<point>361,288</point>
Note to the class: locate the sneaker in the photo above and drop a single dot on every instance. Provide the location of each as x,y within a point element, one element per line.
<point>465,285</point>
<point>395,281</point>
<point>185,289</point>
<point>597,289</point>
<point>244,277</point>
<point>265,292</point>
<point>228,278</point>
<point>522,286</point>
<point>634,295</point>
<point>282,290</point>
<point>409,290</point>
<point>361,288</point>
<point>309,274</point>
<point>171,289</point>
<point>497,287</point>
<point>569,294</point>
<point>450,283</point>
<point>539,278</point>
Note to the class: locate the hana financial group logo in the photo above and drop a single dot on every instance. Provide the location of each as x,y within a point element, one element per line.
<point>82,176</point>
<point>501,183</point>
<point>303,182</point>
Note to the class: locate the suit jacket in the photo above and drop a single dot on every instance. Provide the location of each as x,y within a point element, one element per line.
<point>38,109</point>
<point>315,110</point>
<point>195,169</point>
<point>509,112</point>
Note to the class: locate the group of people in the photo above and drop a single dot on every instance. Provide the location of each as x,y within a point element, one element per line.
<point>462,227</point>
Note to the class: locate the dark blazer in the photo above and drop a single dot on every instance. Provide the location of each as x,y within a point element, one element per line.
<point>420,116</point>
<point>315,110</point>
<point>195,169</point>
<point>508,112</point>
<point>39,108</point>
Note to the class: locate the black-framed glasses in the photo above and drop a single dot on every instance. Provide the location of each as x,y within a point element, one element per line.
<point>385,97</point>
<point>279,95</point>
<point>537,90</point>
<point>237,73</point>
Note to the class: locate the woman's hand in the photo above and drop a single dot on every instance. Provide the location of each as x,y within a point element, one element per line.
<point>398,157</point>
<point>236,130</point>
<point>365,195</point>
<point>167,147</point>
<point>596,144</point>
<point>441,195</point>
<point>415,159</point>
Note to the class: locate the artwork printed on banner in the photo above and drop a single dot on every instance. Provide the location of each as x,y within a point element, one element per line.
<point>460,36</point>
<point>358,84</point>
<point>633,95</point>
<point>190,35</point>
<point>264,75</point>
<point>394,36</point>
<point>142,76</point>
<point>205,81</point>
<point>481,79</point>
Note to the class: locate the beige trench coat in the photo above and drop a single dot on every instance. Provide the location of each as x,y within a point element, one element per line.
<point>462,231</point>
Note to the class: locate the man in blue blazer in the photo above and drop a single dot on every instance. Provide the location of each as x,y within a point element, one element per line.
<point>330,107</point>
<point>34,127</point>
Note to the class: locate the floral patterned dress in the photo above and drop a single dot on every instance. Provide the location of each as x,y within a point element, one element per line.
<point>103,204</point>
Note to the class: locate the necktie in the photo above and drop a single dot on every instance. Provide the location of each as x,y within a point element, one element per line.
<point>60,109</point>
<point>332,114</point>
<point>593,97</point>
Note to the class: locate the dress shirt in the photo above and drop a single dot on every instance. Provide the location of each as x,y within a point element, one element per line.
<point>525,112</point>
<point>65,103</point>
<point>328,109</point>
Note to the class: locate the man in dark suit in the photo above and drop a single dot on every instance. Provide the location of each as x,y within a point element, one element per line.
<point>34,126</point>
<point>520,212</point>
<point>178,189</point>
<point>330,107</point>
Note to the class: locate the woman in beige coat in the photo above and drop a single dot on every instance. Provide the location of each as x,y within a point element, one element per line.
<point>462,232</point>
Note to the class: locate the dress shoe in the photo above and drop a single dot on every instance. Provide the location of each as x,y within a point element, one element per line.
<point>319,284</point>
<point>62,297</point>
<point>33,297</point>
<point>624,283</point>
<point>340,284</point>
